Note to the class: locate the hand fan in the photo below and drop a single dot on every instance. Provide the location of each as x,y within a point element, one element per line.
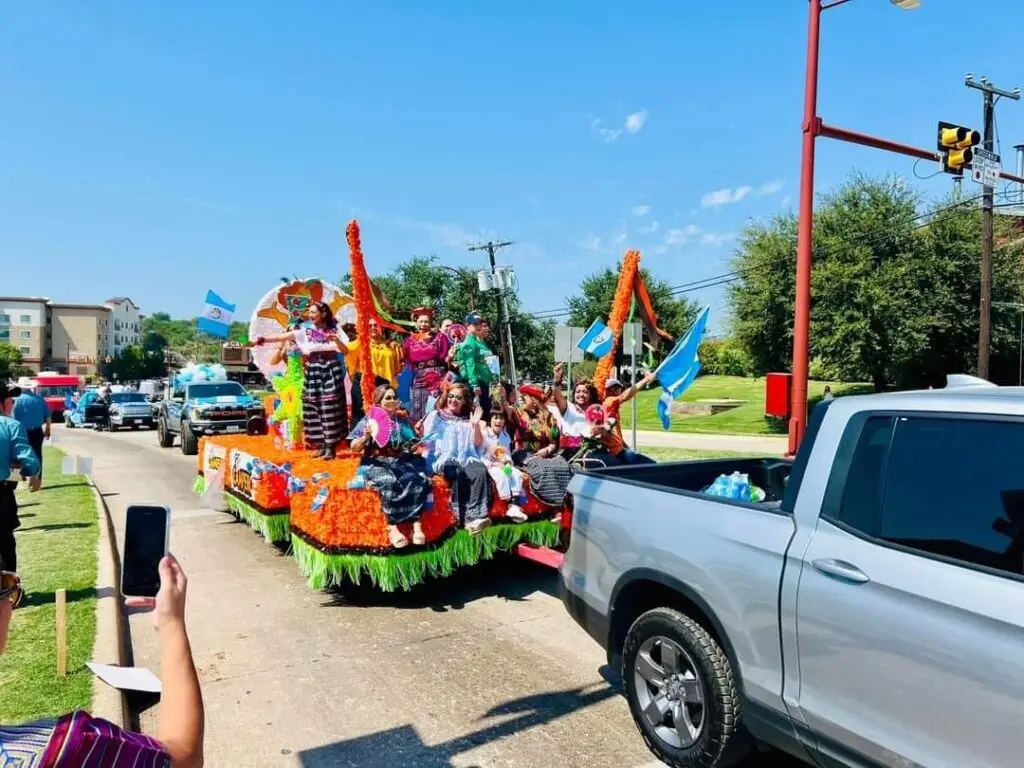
<point>595,414</point>
<point>380,425</point>
<point>457,333</point>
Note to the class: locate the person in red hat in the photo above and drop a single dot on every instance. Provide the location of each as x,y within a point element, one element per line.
<point>536,436</point>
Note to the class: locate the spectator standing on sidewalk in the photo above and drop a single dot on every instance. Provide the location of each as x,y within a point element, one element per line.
<point>15,453</point>
<point>31,410</point>
<point>79,739</point>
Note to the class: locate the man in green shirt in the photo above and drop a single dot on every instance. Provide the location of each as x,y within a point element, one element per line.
<point>472,358</point>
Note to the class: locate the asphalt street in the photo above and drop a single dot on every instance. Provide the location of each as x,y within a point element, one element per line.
<point>483,669</point>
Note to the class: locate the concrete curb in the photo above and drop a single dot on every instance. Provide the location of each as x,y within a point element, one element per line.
<point>108,702</point>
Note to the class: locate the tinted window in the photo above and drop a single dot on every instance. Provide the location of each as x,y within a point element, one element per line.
<point>220,389</point>
<point>855,497</point>
<point>955,487</point>
<point>128,397</point>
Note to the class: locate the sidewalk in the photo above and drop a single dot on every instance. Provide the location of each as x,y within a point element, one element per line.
<point>773,446</point>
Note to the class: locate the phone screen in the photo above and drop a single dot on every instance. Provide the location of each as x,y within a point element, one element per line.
<point>145,543</point>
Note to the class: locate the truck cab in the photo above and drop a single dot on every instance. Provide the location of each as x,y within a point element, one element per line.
<point>195,409</point>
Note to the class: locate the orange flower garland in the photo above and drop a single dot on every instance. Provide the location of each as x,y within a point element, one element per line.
<point>362,294</point>
<point>617,316</point>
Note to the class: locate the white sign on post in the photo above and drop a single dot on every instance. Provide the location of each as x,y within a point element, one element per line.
<point>633,339</point>
<point>566,338</point>
<point>985,167</point>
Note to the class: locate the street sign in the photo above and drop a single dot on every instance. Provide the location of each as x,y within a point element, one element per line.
<point>566,338</point>
<point>985,167</point>
<point>633,339</point>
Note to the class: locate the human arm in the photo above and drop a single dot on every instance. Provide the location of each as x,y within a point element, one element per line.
<point>47,425</point>
<point>278,354</point>
<point>477,423</point>
<point>556,391</point>
<point>273,338</point>
<point>21,452</point>
<point>631,391</point>
<point>181,720</point>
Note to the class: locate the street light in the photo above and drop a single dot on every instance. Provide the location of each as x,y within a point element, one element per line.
<point>805,229</point>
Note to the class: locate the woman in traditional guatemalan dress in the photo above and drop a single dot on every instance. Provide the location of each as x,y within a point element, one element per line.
<point>399,477</point>
<point>536,439</point>
<point>426,351</point>
<point>324,409</point>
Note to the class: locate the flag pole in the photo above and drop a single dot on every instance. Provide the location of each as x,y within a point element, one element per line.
<point>633,340</point>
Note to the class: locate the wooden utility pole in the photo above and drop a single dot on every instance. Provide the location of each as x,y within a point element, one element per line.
<point>990,94</point>
<point>504,321</point>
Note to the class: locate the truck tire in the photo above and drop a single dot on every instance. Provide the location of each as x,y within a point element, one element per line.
<point>189,442</point>
<point>165,438</point>
<point>682,692</point>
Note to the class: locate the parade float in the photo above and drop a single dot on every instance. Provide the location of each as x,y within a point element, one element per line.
<point>321,509</point>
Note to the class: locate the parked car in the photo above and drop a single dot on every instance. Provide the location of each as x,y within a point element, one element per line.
<point>130,409</point>
<point>868,612</point>
<point>207,408</point>
<point>90,410</point>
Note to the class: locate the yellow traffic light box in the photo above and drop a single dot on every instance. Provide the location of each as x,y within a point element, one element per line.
<point>954,143</point>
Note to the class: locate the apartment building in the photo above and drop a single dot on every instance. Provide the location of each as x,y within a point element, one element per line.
<point>23,324</point>
<point>69,338</point>
<point>126,324</point>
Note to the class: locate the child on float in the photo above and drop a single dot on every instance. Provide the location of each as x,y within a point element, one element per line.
<point>508,479</point>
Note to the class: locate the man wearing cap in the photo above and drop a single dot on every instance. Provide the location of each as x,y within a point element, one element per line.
<point>614,397</point>
<point>472,360</point>
<point>15,452</point>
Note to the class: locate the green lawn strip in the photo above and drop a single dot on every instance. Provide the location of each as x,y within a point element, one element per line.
<point>746,419</point>
<point>56,550</point>
<point>684,454</point>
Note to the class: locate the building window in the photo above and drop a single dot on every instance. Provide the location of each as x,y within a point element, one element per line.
<point>4,317</point>
<point>5,334</point>
<point>26,319</point>
<point>25,350</point>
<point>24,334</point>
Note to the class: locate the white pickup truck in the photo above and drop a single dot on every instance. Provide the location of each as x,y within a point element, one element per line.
<point>868,612</point>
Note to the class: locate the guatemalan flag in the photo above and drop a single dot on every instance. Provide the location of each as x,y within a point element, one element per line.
<point>216,317</point>
<point>597,341</point>
<point>677,371</point>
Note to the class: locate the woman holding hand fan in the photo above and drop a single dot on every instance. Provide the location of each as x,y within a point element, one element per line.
<point>399,476</point>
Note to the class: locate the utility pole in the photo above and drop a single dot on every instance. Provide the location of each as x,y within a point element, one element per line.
<point>504,321</point>
<point>989,95</point>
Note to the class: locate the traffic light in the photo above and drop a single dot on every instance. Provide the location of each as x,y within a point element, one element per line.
<point>954,143</point>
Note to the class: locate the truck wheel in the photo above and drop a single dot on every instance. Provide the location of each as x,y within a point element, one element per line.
<point>165,438</point>
<point>113,427</point>
<point>682,692</point>
<point>189,443</point>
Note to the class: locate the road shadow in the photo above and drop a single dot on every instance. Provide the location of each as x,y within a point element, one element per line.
<point>55,526</point>
<point>43,598</point>
<point>507,577</point>
<point>402,747</point>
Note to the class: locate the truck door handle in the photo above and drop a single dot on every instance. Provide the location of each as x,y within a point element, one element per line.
<point>841,569</point>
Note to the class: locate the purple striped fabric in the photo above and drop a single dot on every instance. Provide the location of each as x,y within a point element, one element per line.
<point>79,740</point>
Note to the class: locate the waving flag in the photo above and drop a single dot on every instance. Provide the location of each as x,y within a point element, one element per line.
<point>216,317</point>
<point>677,371</point>
<point>598,339</point>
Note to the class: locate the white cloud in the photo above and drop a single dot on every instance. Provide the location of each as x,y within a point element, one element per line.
<point>769,188</point>
<point>591,242</point>
<point>682,236</point>
<point>445,233</point>
<point>607,135</point>
<point>724,196</point>
<point>635,122</point>
<point>641,210</point>
<point>716,238</point>
<point>651,228</point>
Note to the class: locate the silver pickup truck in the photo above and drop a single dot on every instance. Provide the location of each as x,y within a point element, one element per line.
<point>868,612</point>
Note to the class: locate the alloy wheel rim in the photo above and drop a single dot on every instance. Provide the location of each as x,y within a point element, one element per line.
<point>670,692</point>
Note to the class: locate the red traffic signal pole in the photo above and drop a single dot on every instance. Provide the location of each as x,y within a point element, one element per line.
<point>812,128</point>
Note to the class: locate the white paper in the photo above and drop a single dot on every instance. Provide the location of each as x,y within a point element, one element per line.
<point>126,678</point>
<point>76,465</point>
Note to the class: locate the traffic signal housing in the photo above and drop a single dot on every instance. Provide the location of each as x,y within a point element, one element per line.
<point>954,144</point>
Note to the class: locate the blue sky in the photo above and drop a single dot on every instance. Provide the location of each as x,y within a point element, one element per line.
<point>157,150</point>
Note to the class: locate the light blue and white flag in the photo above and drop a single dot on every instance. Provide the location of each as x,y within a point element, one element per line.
<point>597,341</point>
<point>216,317</point>
<point>678,371</point>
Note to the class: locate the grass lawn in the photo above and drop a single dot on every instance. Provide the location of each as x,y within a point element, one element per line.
<point>682,454</point>
<point>747,419</point>
<point>56,550</point>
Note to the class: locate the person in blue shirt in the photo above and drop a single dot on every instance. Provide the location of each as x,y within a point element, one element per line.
<point>31,410</point>
<point>15,452</point>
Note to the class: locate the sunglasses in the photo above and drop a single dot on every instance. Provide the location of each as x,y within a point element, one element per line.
<point>10,588</point>
<point>459,398</point>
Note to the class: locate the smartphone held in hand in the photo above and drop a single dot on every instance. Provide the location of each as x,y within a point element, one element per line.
<point>146,538</point>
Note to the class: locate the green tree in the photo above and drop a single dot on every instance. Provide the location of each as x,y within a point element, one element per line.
<point>10,361</point>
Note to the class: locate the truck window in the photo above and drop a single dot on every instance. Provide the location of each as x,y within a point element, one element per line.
<point>854,493</point>
<point>955,487</point>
